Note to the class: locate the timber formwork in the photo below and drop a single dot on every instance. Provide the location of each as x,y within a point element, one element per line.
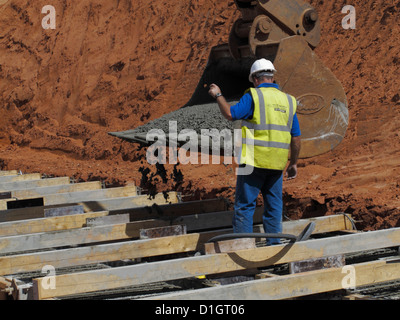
<point>64,240</point>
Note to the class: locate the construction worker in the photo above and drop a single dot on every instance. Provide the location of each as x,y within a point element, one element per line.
<point>270,129</point>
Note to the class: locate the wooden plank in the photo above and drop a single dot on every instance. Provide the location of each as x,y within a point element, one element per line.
<point>89,195</point>
<point>8,173</point>
<point>173,210</point>
<point>36,223</point>
<point>70,237</point>
<point>100,253</point>
<point>41,191</point>
<point>63,211</point>
<point>22,177</point>
<point>146,211</point>
<point>164,231</point>
<point>223,219</point>
<point>70,284</point>
<point>41,225</point>
<point>106,220</point>
<point>229,245</point>
<point>116,251</point>
<point>21,185</point>
<point>129,202</point>
<point>296,285</point>
<point>21,214</point>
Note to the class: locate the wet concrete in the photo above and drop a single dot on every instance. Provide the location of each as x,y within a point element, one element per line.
<point>197,117</point>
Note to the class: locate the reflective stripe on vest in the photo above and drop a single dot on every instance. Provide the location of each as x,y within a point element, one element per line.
<point>258,147</point>
<point>263,125</point>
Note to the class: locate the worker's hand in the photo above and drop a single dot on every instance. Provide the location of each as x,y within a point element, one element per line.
<point>214,89</point>
<point>291,172</point>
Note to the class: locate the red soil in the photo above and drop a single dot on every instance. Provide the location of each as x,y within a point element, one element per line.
<point>114,65</point>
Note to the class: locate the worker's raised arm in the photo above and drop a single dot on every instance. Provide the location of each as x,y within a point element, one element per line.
<point>224,106</point>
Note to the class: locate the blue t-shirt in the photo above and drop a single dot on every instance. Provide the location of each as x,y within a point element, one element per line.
<point>245,107</point>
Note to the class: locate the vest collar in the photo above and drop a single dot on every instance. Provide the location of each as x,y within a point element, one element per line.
<point>268,85</point>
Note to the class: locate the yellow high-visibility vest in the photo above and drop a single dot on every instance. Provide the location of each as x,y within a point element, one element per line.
<point>266,137</point>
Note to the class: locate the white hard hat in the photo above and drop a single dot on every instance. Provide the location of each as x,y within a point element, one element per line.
<point>261,65</point>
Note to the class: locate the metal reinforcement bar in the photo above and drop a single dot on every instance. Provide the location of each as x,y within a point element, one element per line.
<point>295,285</point>
<point>83,282</point>
<point>140,248</point>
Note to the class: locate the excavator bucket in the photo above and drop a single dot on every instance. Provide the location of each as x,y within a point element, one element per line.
<point>285,32</point>
<point>322,105</point>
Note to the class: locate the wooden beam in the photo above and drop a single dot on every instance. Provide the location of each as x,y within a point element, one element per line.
<point>229,245</point>
<point>50,224</point>
<point>21,185</point>
<point>63,211</point>
<point>297,285</point>
<point>89,195</point>
<point>223,219</point>
<point>24,213</point>
<point>75,283</point>
<point>100,253</point>
<point>22,177</point>
<point>41,224</point>
<point>127,203</point>
<point>162,232</point>
<point>41,191</point>
<point>120,251</point>
<point>8,173</point>
<point>70,237</point>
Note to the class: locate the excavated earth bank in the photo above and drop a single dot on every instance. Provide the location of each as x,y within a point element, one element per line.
<point>116,65</point>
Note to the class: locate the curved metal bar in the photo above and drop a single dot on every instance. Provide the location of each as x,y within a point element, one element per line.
<point>304,235</point>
